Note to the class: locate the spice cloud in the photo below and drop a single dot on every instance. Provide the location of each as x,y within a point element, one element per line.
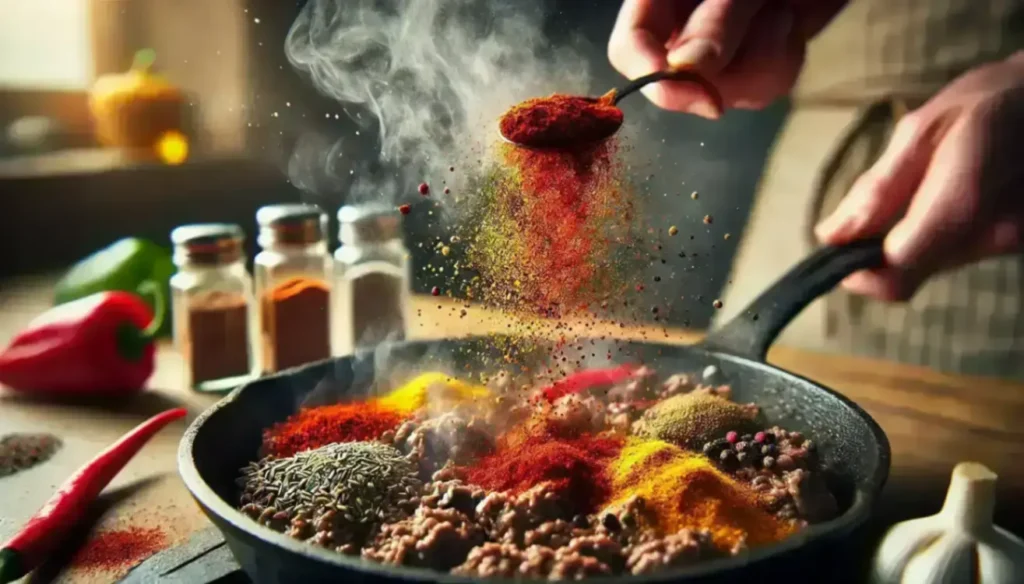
<point>428,79</point>
<point>546,233</point>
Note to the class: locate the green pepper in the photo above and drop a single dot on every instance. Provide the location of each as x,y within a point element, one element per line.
<point>124,265</point>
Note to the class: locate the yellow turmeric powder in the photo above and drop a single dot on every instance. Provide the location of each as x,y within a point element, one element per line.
<point>442,387</point>
<point>683,489</point>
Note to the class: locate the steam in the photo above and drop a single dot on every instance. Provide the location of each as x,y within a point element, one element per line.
<point>428,79</point>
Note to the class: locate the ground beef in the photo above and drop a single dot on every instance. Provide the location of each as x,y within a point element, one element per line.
<point>493,560</point>
<point>452,526</point>
<point>431,538</point>
<point>681,549</point>
<point>449,438</point>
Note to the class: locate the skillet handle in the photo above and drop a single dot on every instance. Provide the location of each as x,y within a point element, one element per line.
<point>753,331</point>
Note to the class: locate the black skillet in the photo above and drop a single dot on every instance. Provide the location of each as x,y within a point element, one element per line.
<point>854,448</point>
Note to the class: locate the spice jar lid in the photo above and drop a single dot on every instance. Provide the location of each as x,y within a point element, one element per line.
<point>370,223</point>
<point>296,223</point>
<point>207,243</point>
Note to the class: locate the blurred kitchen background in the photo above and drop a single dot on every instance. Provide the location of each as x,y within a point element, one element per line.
<point>71,182</point>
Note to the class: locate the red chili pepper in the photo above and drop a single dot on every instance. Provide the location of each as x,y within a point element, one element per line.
<point>584,380</point>
<point>100,344</point>
<point>38,538</point>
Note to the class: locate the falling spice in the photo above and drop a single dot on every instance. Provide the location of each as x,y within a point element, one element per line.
<point>404,209</point>
<point>544,236</point>
<point>424,189</point>
<point>20,451</point>
<point>673,230</point>
<point>295,324</point>
<point>560,121</point>
<point>119,548</point>
<point>684,490</point>
<point>574,468</point>
<point>217,344</point>
<point>708,220</point>
<point>315,427</point>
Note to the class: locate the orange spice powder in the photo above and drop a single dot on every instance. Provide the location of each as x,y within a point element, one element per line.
<point>684,490</point>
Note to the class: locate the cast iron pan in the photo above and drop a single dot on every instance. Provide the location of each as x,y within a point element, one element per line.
<point>227,436</point>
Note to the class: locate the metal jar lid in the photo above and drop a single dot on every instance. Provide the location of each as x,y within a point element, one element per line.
<point>207,243</point>
<point>294,223</point>
<point>369,223</point>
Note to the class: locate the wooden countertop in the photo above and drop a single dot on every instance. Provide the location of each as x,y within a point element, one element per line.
<point>933,421</point>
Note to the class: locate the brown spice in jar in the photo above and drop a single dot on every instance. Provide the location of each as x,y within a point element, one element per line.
<point>376,309</point>
<point>218,341</point>
<point>296,326</point>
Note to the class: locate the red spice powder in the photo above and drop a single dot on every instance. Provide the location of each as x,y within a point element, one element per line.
<point>560,121</point>
<point>570,211</point>
<point>315,427</point>
<point>584,380</point>
<point>119,548</point>
<point>574,467</point>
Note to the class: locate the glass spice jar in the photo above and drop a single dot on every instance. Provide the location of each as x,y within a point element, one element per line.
<point>292,274</point>
<point>212,305</point>
<point>371,279</point>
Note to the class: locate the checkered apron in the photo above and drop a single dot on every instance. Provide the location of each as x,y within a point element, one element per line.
<point>877,60</point>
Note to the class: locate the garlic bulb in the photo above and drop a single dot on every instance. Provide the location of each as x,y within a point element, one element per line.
<point>958,545</point>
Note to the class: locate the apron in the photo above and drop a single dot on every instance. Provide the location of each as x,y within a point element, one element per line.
<point>877,60</point>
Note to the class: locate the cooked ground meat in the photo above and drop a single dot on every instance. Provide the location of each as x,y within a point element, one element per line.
<point>446,524</point>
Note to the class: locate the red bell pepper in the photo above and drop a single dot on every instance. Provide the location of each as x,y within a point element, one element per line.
<point>45,530</point>
<point>98,345</point>
<point>584,380</point>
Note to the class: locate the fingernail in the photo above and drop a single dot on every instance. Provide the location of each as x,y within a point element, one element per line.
<point>704,109</point>
<point>694,52</point>
<point>899,245</point>
<point>833,226</point>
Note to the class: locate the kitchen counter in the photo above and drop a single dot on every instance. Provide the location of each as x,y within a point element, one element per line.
<point>933,421</point>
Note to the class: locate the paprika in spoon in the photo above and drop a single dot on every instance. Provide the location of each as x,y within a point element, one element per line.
<point>101,344</point>
<point>562,121</point>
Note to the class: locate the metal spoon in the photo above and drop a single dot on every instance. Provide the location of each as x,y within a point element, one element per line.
<point>614,96</point>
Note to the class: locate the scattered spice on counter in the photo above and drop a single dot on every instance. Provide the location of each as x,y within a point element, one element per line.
<point>45,530</point>
<point>296,325</point>
<point>572,468</point>
<point>684,490</point>
<point>217,344</point>
<point>560,120</point>
<point>692,419</point>
<point>119,548</point>
<point>22,451</point>
<point>315,427</point>
<point>439,389</point>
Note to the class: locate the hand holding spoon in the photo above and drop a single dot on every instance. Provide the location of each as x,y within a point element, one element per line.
<point>559,121</point>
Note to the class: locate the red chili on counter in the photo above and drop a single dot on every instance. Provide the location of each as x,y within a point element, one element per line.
<point>37,538</point>
<point>98,345</point>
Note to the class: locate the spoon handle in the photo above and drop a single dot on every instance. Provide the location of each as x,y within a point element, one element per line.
<point>683,75</point>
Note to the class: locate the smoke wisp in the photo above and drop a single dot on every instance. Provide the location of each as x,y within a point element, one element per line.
<point>432,77</point>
